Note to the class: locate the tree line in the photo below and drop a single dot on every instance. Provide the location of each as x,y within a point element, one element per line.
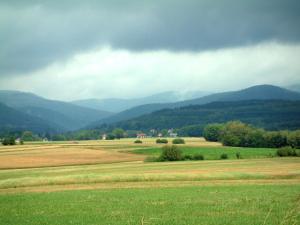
<point>238,134</point>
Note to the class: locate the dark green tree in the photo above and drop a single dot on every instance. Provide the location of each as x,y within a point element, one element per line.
<point>213,132</point>
<point>118,133</point>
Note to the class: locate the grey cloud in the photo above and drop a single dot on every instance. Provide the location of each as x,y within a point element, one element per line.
<point>35,33</point>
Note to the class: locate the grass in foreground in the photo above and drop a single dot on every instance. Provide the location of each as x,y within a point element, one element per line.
<point>218,205</point>
<point>214,153</point>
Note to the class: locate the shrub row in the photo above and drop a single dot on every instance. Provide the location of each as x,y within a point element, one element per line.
<point>288,151</point>
<point>175,141</point>
<point>173,153</point>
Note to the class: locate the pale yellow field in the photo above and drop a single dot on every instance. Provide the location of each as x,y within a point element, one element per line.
<point>77,153</point>
<point>109,164</point>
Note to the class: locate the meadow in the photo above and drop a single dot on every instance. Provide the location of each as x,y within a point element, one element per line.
<point>108,182</point>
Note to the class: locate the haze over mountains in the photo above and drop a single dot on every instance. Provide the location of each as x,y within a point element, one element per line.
<point>118,104</point>
<point>26,111</point>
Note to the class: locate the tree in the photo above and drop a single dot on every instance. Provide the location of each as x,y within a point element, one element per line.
<point>234,133</point>
<point>191,131</point>
<point>58,137</point>
<point>213,132</point>
<point>9,141</point>
<point>294,139</point>
<point>110,136</point>
<point>276,139</point>
<point>27,136</point>
<point>239,134</point>
<point>253,138</point>
<point>118,133</point>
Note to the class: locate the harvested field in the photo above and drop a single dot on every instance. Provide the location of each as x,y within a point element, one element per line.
<point>107,182</point>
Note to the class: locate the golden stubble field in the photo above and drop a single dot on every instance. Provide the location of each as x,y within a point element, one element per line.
<point>110,164</point>
<point>32,155</point>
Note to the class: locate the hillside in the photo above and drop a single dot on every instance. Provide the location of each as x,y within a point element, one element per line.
<point>66,115</point>
<point>260,92</point>
<point>13,120</point>
<point>269,114</point>
<point>118,104</point>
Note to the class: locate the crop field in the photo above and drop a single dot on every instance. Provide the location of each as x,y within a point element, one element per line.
<point>108,182</point>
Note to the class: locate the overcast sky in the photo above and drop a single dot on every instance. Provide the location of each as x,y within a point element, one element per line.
<point>63,49</point>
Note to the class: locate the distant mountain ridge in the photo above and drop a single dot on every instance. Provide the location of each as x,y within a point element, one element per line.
<point>65,116</point>
<point>117,104</point>
<point>17,108</point>
<point>269,114</point>
<point>259,92</point>
<point>14,120</point>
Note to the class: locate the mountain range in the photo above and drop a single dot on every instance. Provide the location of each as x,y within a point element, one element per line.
<point>269,114</point>
<point>118,104</point>
<point>259,92</point>
<point>63,116</point>
<point>27,111</point>
<point>14,120</point>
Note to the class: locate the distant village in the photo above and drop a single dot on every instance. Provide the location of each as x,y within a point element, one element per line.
<point>152,133</point>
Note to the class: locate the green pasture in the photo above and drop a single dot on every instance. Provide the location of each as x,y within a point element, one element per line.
<point>214,153</point>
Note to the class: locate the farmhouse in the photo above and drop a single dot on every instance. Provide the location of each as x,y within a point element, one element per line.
<point>140,135</point>
<point>173,135</point>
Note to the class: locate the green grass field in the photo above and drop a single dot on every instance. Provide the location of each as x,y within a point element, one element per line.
<point>219,205</point>
<point>214,153</point>
<point>107,182</point>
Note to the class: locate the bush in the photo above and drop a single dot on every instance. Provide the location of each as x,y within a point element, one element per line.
<point>178,141</point>
<point>198,157</point>
<point>138,142</point>
<point>238,155</point>
<point>188,157</point>
<point>224,156</point>
<point>162,141</point>
<point>171,153</point>
<point>287,151</point>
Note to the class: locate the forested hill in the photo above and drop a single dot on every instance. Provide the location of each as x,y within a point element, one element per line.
<point>259,92</point>
<point>269,114</point>
<point>13,120</point>
<point>63,115</point>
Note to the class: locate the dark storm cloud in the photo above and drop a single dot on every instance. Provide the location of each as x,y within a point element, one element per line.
<point>34,34</point>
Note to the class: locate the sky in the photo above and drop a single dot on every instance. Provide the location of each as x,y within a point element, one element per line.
<point>67,50</point>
